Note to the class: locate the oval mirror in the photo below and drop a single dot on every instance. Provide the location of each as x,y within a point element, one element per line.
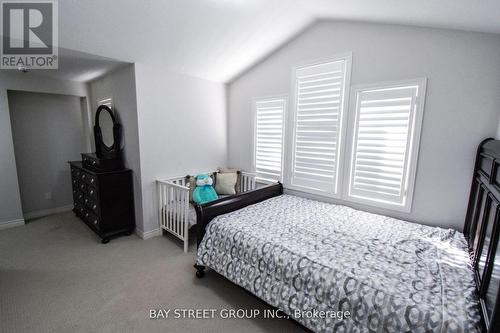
<point>106,124</point>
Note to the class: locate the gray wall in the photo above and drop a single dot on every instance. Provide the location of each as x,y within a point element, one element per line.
<point>10,200</point>
<point>120,85</point>
<point>182,129</point>
<point>461,108</point>
<point>47,131</point>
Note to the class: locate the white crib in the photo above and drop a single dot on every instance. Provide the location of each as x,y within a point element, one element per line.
<point>176,214</point>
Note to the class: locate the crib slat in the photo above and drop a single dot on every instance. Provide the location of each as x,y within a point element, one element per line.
<point>160,206</point>
<point>170,203</point>
<point>176,214</point>
<point>183,216</point>
<point>177,211</point>
<point>165,204</point>
<point>186,224</point>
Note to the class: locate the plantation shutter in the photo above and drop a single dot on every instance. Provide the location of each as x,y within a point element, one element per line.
<point>383,132</point>
<point>319,99</point>
<point>269,139</point>
<point>107,101</point>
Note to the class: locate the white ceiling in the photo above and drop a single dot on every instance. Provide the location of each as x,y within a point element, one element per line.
<point>218,39</point>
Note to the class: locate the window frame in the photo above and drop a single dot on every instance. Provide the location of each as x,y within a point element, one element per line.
<point>413,150</point>
<point>265,98</point>
<point>291,127</point>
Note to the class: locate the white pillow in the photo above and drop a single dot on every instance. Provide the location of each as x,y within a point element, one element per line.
<point>225,183</point>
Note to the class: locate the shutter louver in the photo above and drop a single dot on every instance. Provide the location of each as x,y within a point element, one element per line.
<point>108,102</point>
<point>383,130</point>
<point>269,139</point>
<point>319,97</point>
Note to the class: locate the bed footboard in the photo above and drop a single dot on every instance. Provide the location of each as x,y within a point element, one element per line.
<point>206,212</point>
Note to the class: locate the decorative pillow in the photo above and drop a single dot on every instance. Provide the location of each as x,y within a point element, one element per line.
<point>226,183</point>
<point>191,182</point>
<point>237,187</point>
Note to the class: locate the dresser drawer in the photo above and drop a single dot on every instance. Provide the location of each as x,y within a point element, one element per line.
<point>77,196</point>
<point>94,221</point>
<point>86,214</point>
<point>79,210</point>
<point>88,178</point>
<point>89,162</point>
<point>91,219</point>
<point>92,192</point>
<point>75,173</point>
<point>92,205</point>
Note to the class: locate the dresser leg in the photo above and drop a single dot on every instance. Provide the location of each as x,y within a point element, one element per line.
<point>105,240</point>
<point>200,271</point>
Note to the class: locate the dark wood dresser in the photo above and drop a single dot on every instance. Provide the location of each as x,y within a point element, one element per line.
<point>104,200</point>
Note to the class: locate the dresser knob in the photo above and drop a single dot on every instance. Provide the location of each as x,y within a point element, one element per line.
<point>95,222</point>
<point>94,207</point>
<point>91,192</point>
<point>92,180</point>
<point>83,176</point>
<point>93,162</point>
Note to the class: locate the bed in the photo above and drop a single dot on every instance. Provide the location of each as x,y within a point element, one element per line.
<point>300,255</point>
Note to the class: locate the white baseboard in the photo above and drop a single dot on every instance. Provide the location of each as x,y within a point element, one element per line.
<point>148,234</point>
<point>11,224</point>
<point>46,212</point>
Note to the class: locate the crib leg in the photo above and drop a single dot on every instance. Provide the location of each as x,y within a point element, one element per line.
<point>186,243</point>
<point>200,271</point>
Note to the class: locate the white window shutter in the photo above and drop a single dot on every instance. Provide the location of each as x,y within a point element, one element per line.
<point>386,127</point>
<point>107,101</point>
<point>268,154</point>
<point>318,112</point>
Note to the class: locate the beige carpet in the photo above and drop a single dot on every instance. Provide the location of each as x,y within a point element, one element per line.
<point>55,276</point>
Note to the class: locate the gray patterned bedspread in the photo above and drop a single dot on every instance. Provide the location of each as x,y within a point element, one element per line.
<point>302,255</point>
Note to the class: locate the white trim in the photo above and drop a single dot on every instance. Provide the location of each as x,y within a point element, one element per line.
<point>414,141</point>
<point>47,212</point>
<point>290,143</point>
<point>148,234</point>
<point>283,97</point>
<point>353,204</point>
<point>11,224</point>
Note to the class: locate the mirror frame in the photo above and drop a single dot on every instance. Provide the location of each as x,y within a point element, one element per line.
<point>102,150</point>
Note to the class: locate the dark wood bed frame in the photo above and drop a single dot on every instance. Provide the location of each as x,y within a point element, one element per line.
<point>482,226</point>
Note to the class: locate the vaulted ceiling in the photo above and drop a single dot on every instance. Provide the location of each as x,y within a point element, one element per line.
<point>218,39</point>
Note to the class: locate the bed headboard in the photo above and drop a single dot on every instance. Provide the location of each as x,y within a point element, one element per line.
<point>482,229</point>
